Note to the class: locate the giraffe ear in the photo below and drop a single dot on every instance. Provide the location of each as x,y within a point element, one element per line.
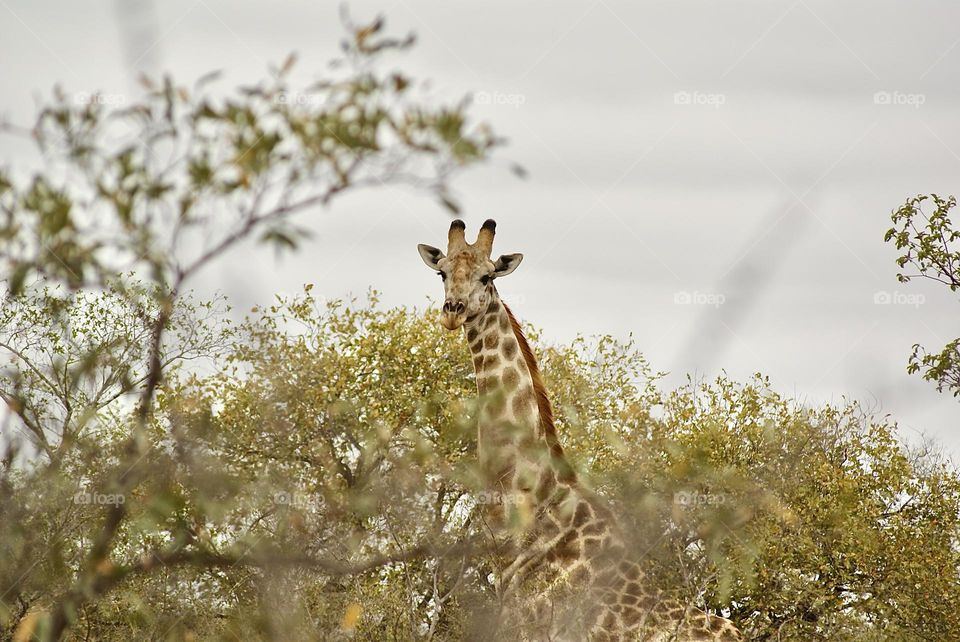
<point>506,264</point>
<point>430,255</point>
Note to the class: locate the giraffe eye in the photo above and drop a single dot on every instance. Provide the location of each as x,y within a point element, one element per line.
<point>485,279</point>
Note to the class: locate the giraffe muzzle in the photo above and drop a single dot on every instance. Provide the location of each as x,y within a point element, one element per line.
<point>453,314</point>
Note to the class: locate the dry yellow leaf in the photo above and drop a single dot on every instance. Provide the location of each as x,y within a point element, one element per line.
<point>25,629</point>
<point>350,617</point>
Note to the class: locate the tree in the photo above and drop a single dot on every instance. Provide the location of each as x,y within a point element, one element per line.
<point>931,247</point>
<point>98,249</point>
<point>323,481</point>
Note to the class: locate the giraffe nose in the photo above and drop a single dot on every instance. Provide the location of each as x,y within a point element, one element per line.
<point>454,307</point>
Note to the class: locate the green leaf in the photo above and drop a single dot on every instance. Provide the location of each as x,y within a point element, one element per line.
<point>280,238</point>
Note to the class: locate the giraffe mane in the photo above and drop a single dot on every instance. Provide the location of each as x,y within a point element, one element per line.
<point>564,469</point>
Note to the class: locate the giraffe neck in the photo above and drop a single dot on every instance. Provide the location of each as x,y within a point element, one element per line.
<point>518,450</point>
<point>568,529</point>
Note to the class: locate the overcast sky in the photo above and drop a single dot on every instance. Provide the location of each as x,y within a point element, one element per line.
<point>713,177</point>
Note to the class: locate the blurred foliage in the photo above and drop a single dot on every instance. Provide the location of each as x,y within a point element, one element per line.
<point>164,184</point>
<point>133,198</point>
<point>320,483</point>
<point>931,247</point>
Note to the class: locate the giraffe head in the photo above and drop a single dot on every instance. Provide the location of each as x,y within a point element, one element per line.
<point>467,272</point>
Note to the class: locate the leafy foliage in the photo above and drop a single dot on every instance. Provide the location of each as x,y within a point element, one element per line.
<point>322,481</point>
<point>97,251</point>
<point>75,358</point>
<point>931,246</point>
<point>140,188</point>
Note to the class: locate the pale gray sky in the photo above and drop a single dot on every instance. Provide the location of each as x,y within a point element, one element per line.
<point>733,153</point>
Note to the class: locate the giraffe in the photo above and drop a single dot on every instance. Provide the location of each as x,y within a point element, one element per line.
<point>566,549</point>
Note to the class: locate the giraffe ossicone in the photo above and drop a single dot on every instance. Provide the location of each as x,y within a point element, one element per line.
<point>568,575</point>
